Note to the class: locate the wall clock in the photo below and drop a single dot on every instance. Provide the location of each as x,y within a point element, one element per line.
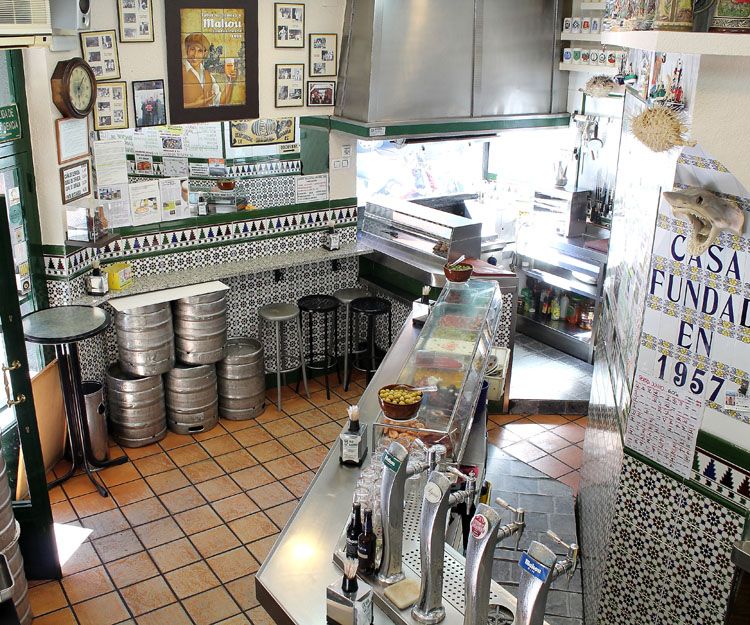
<point>73,88</point>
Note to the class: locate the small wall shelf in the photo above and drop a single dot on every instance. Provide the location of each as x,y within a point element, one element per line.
<point>720,44</point>
<point>590,69</point>
<point>581,36</point>
<point>593,6</point>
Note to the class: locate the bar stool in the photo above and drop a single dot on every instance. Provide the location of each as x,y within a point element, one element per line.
<point>326,357</point>
<point>372,308</point>
<point>346,297</point>
<point>277,314</point>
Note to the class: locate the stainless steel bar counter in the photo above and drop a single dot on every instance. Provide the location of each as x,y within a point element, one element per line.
<point>291,584</point>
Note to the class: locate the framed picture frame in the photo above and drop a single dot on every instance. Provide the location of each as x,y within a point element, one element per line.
<point>136,20</point>
<point>111,108</point>
<point>212,60</point>
<point>288,25</point>
<point>99,50</point>
<point>290,85</point>
<point>149,103</point>
<point>247,132</point>
<point>323,54</point>
<point>72,135</point>
<point>75,181</point>
<point>321,92</point>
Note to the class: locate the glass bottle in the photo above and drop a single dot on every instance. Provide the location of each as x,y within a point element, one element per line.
<point>366,546</point>
<point>353,530</point>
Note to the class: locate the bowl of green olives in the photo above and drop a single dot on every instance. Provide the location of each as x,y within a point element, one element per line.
<point>399,401</point>
<point>458,273</point>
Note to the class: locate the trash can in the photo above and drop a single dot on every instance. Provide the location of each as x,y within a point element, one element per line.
<point>96,420</point>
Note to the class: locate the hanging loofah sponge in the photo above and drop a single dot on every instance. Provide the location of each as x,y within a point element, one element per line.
<point>660,129</point>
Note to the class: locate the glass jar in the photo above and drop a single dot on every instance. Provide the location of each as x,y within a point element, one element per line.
<point>586,321</point>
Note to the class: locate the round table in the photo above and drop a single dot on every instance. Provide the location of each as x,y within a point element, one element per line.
<point>64,327</point>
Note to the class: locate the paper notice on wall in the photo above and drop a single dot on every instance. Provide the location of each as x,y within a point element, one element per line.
<point>175,167</point>
<point>118,202</point>
<point>145,205</point>
<point>664,423</point>
<point>311,188</point>
<point>110,164</point>
<point>174,194</point>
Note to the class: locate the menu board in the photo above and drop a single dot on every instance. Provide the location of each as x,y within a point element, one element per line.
<point>664,423</point>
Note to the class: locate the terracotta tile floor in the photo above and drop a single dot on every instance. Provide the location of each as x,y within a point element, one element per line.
<point>191,518</point>
<point>553,444</point>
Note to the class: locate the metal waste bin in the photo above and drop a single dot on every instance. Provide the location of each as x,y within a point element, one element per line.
<point>96,420</point>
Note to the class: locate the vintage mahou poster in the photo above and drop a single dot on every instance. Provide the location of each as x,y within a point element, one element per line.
<point>215,76</point>
<point>213,48</point>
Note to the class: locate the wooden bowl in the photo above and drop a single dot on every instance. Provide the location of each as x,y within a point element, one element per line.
<point>397,412</point>
<point>226,184</point>
<point>457,275</point>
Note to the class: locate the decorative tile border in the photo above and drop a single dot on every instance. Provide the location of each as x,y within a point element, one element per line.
<point>184,239</point>
<point>701,162</point>
<point>254,169</point>
<point>722,477</point>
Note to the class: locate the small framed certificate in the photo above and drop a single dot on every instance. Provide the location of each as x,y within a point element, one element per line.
<point>72,139</point>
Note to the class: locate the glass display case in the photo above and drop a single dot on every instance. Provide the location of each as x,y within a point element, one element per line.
<point>451,353</point>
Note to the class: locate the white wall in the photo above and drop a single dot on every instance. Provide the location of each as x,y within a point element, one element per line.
<point>147,61</point>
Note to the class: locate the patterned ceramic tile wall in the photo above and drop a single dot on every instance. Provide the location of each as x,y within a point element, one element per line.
<point>656,548</point>
<point>603,454</point>
<point>669,556</point>
<point>182,239</point>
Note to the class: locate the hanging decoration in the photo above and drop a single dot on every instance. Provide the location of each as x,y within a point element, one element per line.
<point>599,86</point>
<point>708,214</point>
<point>660,128</point>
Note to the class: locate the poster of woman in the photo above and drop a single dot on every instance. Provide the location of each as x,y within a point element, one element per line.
<point>213,72</point>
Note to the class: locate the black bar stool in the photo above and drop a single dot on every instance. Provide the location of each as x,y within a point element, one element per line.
<point>321,357</point>
<point>367,358</point>
<point>346,297</point>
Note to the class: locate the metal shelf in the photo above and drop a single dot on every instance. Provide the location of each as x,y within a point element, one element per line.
<point>568,284</point>
<point>562,327</point>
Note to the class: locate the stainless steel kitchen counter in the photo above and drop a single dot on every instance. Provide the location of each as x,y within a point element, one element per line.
<point>291,584</point>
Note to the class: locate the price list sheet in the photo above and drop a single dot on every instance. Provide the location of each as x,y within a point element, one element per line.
<point>664,423</point>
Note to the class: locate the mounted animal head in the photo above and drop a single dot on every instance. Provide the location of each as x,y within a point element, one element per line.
<point>708,215</point>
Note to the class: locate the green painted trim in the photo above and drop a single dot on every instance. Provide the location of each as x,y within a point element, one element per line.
<point>690,483</point>
<point>457,127</point>
<point>346,202</point>
<point>54,250</point>
<point>723,449</point>
<point>228,162</point>
<point>316,121</point>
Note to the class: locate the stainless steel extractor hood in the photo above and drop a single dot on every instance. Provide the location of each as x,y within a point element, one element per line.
<point>412,61</point>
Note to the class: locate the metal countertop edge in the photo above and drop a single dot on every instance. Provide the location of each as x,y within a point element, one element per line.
<point>369,410</point>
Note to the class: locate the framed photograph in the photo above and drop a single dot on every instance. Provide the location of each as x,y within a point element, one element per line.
<point>289,25</point>
<point>321,93</point>
<point>111,108</point>
<point>290,85</point>
<point>323,55</point>
<point>244,132</point>
<point>99,50</point>
<point>75,181</point>
<point>212,60</point>
<point>136,18</point>
<point>148,103</point>
<point>72,134</point>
